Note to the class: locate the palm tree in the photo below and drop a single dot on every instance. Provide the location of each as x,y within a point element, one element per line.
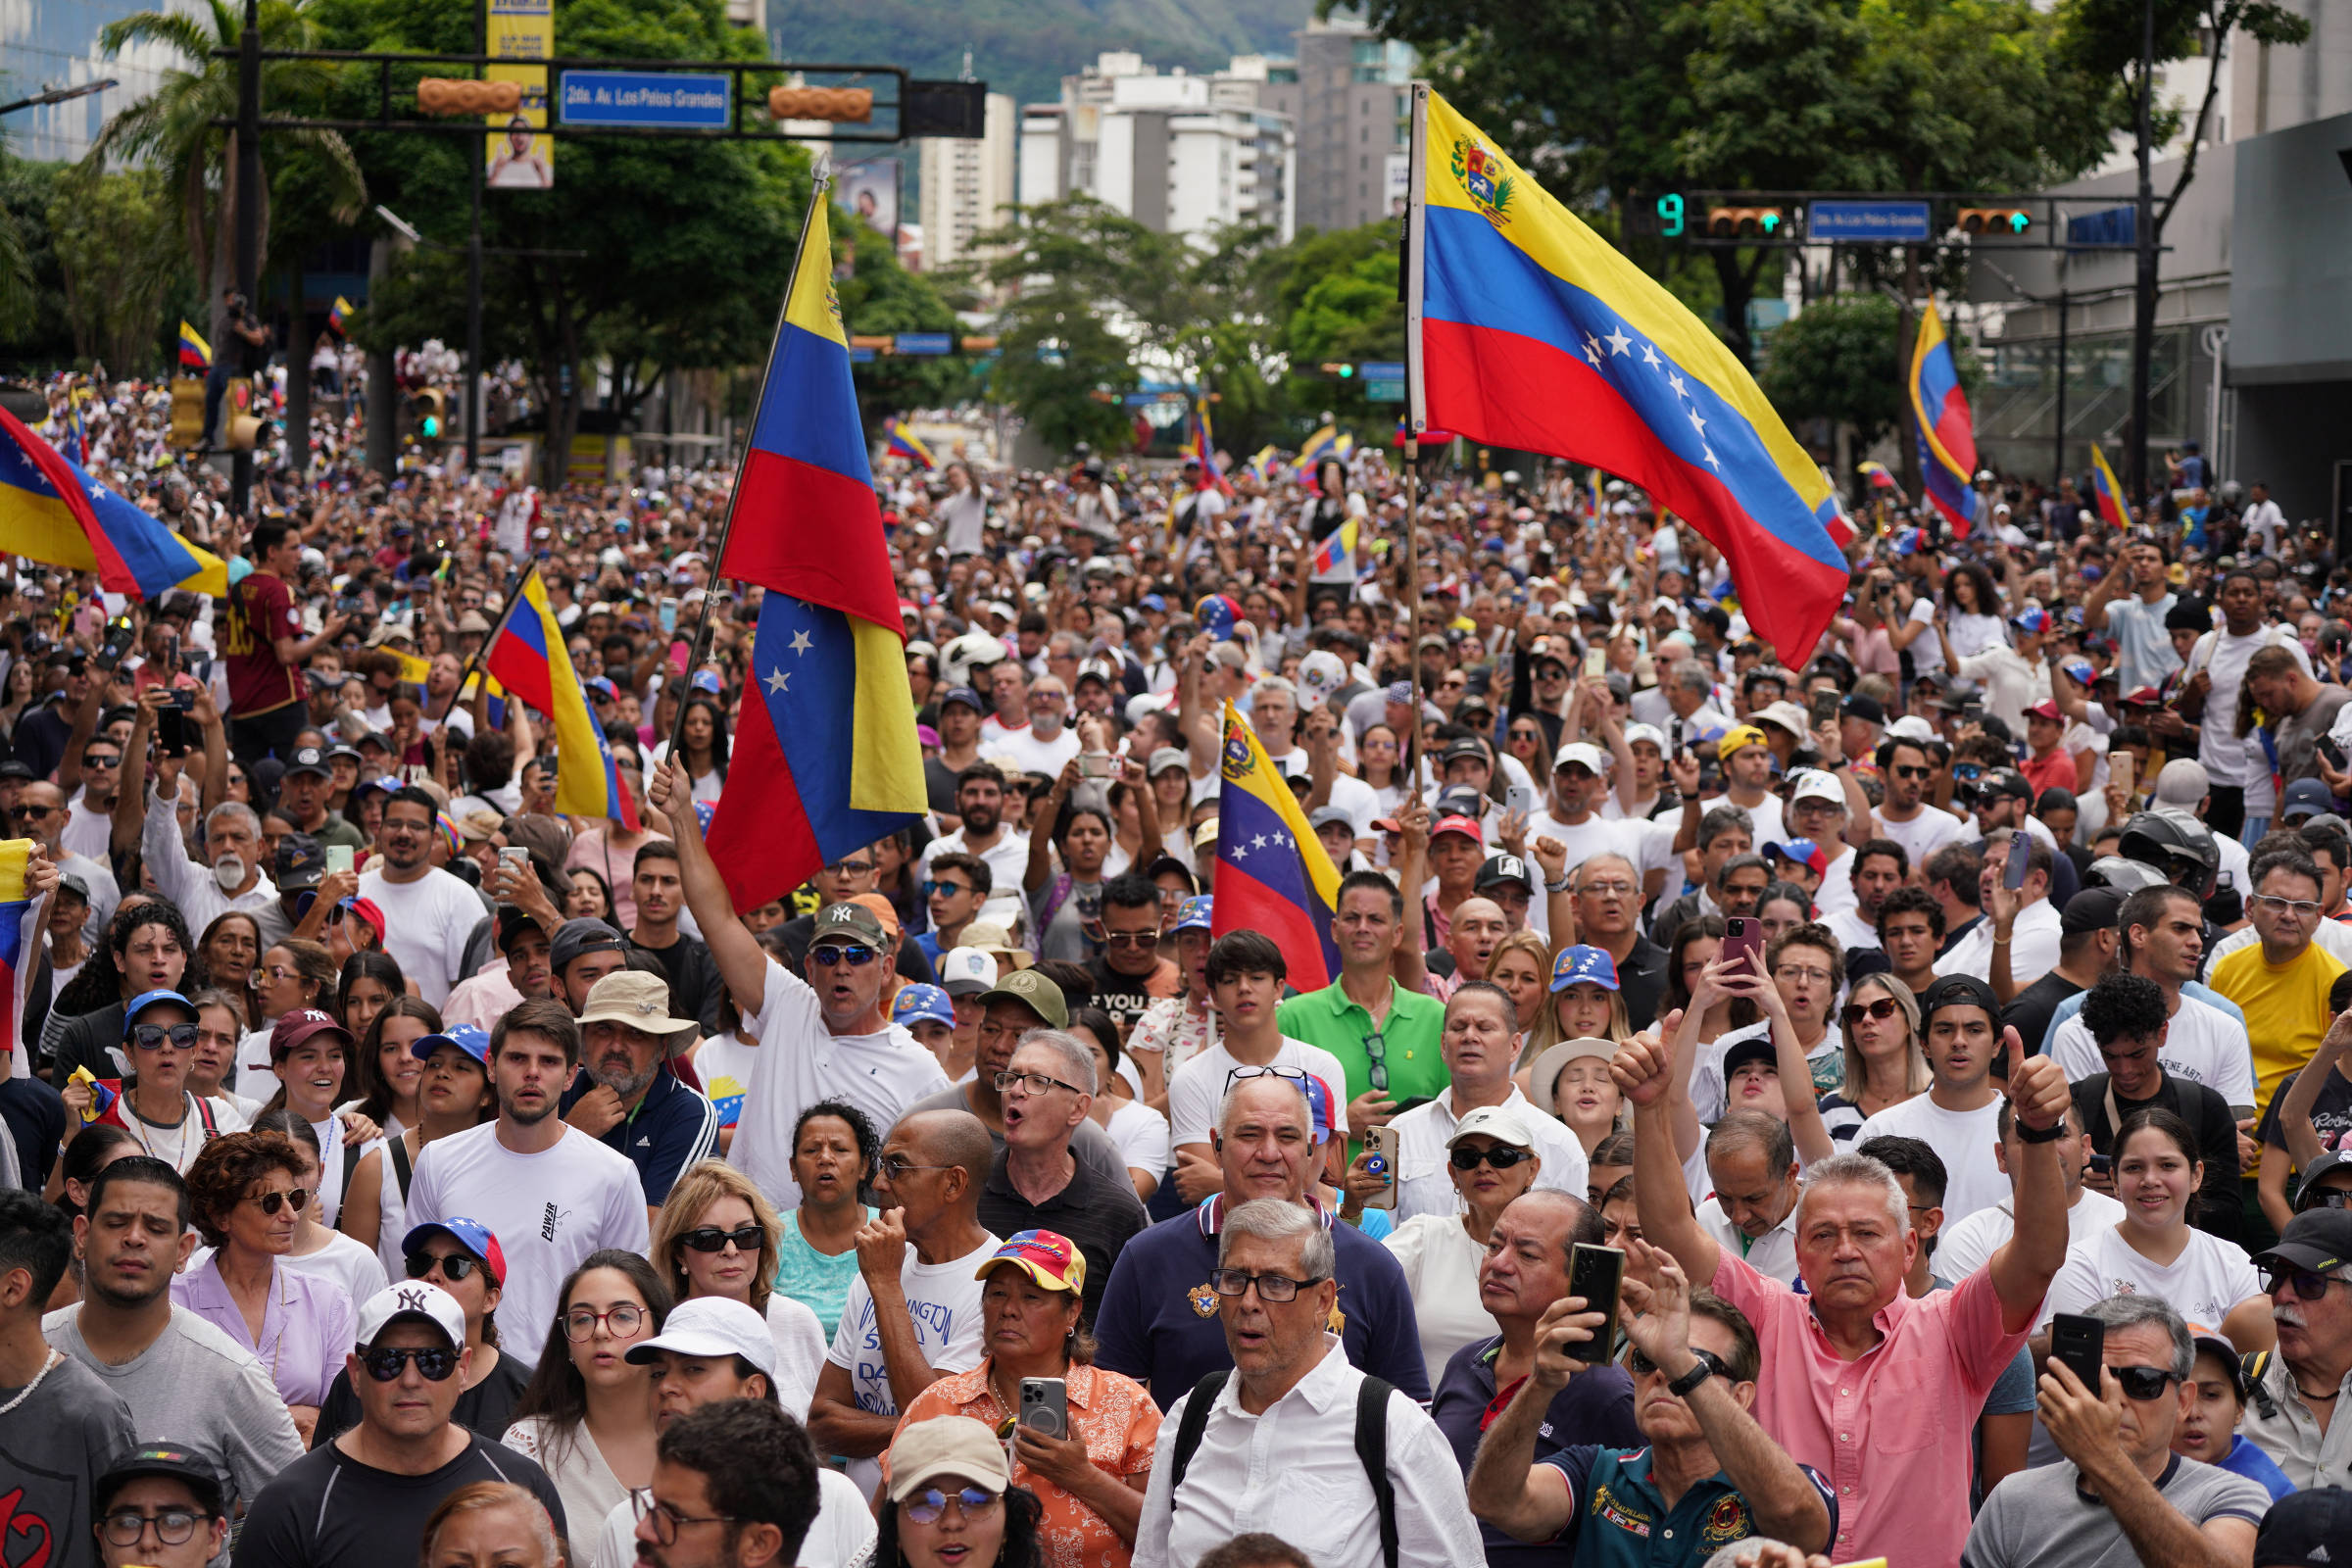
<point>174,127</point>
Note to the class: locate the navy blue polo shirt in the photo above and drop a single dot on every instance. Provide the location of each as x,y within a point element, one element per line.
<point>1595,1407</point>
<point>672,1129</point>
<point>1159,1322</point>
<point>1623,1521</point>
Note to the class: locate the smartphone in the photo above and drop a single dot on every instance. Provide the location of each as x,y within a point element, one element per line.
<point>171,727</point>
<point>2332,752</point>
<point>1825,704</point>
<point>1046,1406</point>
<point>339,857</point>
<point>1380,1144</point>
<point>1094,764</point>
<point>1596,664</point>
<point>2079,1345</point>
<point>2017,862</point>
<point>117,642</point>
<point>1520,797</point>
<point>2119,773</point>
<point>2102,1163</point>
<point>670,615</point>
<point>1743,934</point>
<point>515,858</point>
<point>1595,1273</point>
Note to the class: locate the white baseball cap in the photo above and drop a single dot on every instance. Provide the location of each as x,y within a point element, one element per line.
<point>712,1326</point>
<point>1635,733</point>
<point>413,1298</point>
<point>1584,755</point>
<point>967,972</point>
<point>1815,785</point>
<point>1499,1122</point>
<point>1911,727</point>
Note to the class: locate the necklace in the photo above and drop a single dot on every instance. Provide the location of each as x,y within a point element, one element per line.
<point>145,1131</point>
<point>25,1393</point>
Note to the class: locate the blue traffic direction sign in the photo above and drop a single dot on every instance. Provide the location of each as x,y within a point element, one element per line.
<point>1896,220</point>
<point>922,343</point>
<point>643,98</point>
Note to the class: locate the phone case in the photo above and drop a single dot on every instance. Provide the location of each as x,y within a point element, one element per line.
<point>1596,1273</point>
<point>1380,1143</point>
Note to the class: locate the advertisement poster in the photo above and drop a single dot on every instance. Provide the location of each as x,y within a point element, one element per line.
<point>869,189</point>
<point>522,156</point>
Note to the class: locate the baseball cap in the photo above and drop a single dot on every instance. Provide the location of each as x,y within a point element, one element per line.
<point>1031,990</point>
<point>2036,620</point>
<point>1815,785</point>
<point>1737,738</point>
<point>946,1445</point>
<point>1503,871</point>
<point>187,1462</point>
<point>993,940</point>
<point>639,1001</point>
<point>881,909</point>
<point>2333,1159</point>
<point>1464,749</point>
<point>965,695</point>
<point>600,686</point>
<point>577,937</point>
<point>419,1299</point>
<point>148,999</point>
<point>1457,824</point>
<point>2007,781</point>
<point>921,1002</point>
<point>1958,991</point>
<point>1318,1107</point>
<point>1742,1052</point>
<point>1330,814</point>
<point>1580,964</point>
<point>298,1026</point>
<point>1911,727</point>
<point>2300,1527</point>
<point>1499,1122</point>
<point>1635,734</point>
<point>301,863</point>
<point>471,1234</point>
<point>1168,756</point>
<point>366,909</point>
<point>2305,796</point>
<point>1196,913</point>
<point>1864,706</point>
<point>1581,754</point>
<point>712,1326</point>
<point>2182,781</point>
<point>1803,851</point>
<point>1544,1077</point>
<point>2142,697</point>
<point>308,760</point>
<point>849,922</point>
<point>2214,1346</point>
<point>2091,909</point>
<point>1054,1261</point>
<point>2318,1238</point>
<point>472,1038</point>
<point>1785,715</point>
<point>2048,708</point>
<point>967,972</point>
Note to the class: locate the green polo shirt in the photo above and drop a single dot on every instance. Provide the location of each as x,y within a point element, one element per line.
<point>1408,1038</point>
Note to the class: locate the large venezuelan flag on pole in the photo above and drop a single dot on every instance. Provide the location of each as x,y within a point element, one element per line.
<point>1272,874</point>
<point>1947,436</point>
<point>19,943</point>
<point>825,759</point>
<point>2107,490</point>
<point>52,510</point>
<point>526,656</point>
<point>1525,329</point>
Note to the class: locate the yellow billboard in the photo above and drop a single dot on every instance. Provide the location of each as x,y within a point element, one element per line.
<point>521,154</point>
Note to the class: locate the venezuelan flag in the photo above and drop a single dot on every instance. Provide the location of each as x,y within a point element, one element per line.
<point>1876,474</point>
<point>1335,557</point>
<point>20,938</point>
<point>905,442</point>
<point>1200,442</point>
<point>825,759</point>
<point>52,510</point>
<point>1272,874</point>
<point>195,353</point>
<point>527,654</point>
<point>1324,443</point>
<point>1529,331</point>
<point>1947,438</point>
<point>1264,464</point>
<point>2107,490</point>
<point>339,314</point>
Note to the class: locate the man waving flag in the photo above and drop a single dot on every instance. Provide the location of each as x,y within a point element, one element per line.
<point>825,759</point>
<point>1272,874</point>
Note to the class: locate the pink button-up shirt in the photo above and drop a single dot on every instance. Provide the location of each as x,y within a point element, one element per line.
<point>1890,1430</point>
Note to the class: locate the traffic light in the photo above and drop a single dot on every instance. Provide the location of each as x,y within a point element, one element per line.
<point>187,412</point>
<point>1344,373</point>
<point>821,103</point>
<point>2010,220</point>
<point>430,406</point>
<point>462,95</point>
<point>240,429</point>
<point>1744,223</point>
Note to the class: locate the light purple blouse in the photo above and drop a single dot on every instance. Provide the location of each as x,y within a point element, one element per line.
<point>308,1327</point>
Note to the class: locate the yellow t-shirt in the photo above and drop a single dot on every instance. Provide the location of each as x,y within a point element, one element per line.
<point>2285,1007</point>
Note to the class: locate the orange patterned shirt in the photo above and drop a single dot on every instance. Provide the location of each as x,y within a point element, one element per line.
<point>1113,1414</point>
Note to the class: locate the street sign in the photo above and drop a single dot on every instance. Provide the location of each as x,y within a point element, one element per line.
<point>1899,221</point>
<point>644,98</point>
<point>1380,389</point>
<point>926,343</point>
<point>1382,370</point>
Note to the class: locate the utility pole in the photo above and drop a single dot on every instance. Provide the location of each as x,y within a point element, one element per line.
<point>2143,242</point>
<point>2058,441</point>
<point>473,279</point>
<point>249,222</point>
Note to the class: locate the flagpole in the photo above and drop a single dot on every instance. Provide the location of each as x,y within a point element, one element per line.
<point>821,181</point>
<point>473,661</point>
<point>1417,421</point>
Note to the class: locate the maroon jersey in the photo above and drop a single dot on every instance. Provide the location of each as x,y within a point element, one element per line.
<point>260,612</point>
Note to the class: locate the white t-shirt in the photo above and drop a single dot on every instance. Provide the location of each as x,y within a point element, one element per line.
<point>425,926</point>
<point>1199,1087</point>
<point>1963,1248</point>
<point>1964,1140</point>
<point>800,1352</point>
<point>802,1062</point>
<point>966,514</point>
<point>359,1272</point>
<point>2204,1045</point>
<point>1594,835</point>
<point>549,1212</point>
<point>1140,1134</point>
<point>1849,929</point>
<point>2204,1283</point>
<point>2233,761</point>
<point>944,1301</point>
<point>1930,830</point>
<point>1022,745</point>
<point>1006,860</point>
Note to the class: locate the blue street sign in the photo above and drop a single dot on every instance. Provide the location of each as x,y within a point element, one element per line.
<point>922,343</point>
<point>643,98</point>
<point>1898,221</point>
<point>1382,370</point>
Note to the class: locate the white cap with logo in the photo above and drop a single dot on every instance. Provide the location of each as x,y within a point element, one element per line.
<point>413,1298</point>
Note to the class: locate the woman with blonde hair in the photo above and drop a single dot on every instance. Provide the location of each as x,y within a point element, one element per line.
<point>1586,1005</point>
<point>717,1234</point>
<point>1883,1063</point>
<point>1522,967</point>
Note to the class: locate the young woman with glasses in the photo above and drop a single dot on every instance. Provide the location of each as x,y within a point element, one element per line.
<point>587,1416</point>
<point>155,1102</point>
<point>957,1508</point>
<point>717,1235</point>
<point>1883,1064</point>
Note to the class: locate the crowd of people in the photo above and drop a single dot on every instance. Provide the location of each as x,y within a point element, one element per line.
<point>1890,1105</point>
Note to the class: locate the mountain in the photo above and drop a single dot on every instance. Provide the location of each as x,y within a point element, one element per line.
<point>1025,47</point>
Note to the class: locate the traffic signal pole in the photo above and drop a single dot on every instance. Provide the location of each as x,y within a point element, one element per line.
<point>474,276</point>
<point>249,230</point>
<point>2143,242</point>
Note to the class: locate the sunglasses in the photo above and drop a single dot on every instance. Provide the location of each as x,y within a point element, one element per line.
<point>29,813</point>
<point>1855,1012</point>
<point>926,1506</point>
<point>454,1266</point>
<point>1904,772</point>
<point>2140,1384</point>
<point>2308,1284</point>
<point>711,1238</point>
<point>297,1199</point>
<point>827,956</point>
<point>156,1036</point>
<point>2326,1197</point>
<point>933,887</point>
<point>1502,1156</point>
<point>433,1364</point>
<point>1642,1366</point>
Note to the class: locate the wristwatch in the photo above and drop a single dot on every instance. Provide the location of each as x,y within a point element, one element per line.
<point>2048,1134</point>
<point>1700,1372</point>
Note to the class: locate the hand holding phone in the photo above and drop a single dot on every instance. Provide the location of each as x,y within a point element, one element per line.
<point>1743,936</point>
<point>2079,1345</point>
<point>1596,1274</point>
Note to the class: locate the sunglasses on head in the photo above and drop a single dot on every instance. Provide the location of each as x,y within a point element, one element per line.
<point>826,958</point>
<point>454,1267</point>
<point>1855,1012</point>
<point>433,1364</point>
<point>1502,1156</point>
<point>711,1238</point>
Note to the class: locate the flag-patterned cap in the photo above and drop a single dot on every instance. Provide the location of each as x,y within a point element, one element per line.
<point>1578,964</point>
<point>1054,1261</point>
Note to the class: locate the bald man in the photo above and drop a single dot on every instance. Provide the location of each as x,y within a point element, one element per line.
<point>1478,929</point>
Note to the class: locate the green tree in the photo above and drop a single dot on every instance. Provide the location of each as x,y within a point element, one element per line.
<point>880,296</point>
<point>122,260</point>
<point>26,301</point>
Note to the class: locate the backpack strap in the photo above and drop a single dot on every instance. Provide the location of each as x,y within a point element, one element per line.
<point>398,1150</point>
<point>1372,1453</point>
<point>204,1113</point>
<point>1196,1422</point>
<point>351,1168</point>
<point>2254,1363</point>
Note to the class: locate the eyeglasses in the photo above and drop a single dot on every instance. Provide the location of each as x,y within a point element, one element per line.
<point>433,1364</point>
<point>1502,1156</point>
<point>1642,1366</point>
<point>2302,908</point>
<point>157,1036</point>
<point>2140,1384</point>
<point>1855,1012</point>
<point>2308,1284</point>
<point>1036,1083</point>
<point>893,1167</point>
<point>173,1527</point>
<point>666,1519</point>
<point>1376,1046</point>
<point>1270,1287</point>
<point>1904,770</point>
<point>1608,889</point>
<point>621,1322</point>
<point>933,887</point>
<point>277,972</point>
<point>925,1507</point>
<point>851,867</point>
<point>2326,1197</point>
<point>825,958</point>
<point>454,1266</point>
<point>1791,971</point>
<point>1296,1076</point>
<point>711,1238</point>
<point>298,1200</point>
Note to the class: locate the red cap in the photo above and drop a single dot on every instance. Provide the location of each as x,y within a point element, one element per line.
<point>2045,708</point>
<point>300,1024</point>
<point>1457,824</point>
<point>2142,697</point>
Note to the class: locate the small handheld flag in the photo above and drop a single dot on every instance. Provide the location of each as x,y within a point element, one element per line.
<point>20,940</point>
<point>1335,557</point>
<point>1947,439</point>
<point>1273,875</point>
<point>905,442</point>
<point>2107,490</point>
<point>195,353</point>
<point>1876,474</point>
<point>527,654</point>
<point>339,314</point>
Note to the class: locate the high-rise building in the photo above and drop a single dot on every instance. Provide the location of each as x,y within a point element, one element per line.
<point>1348,91</point>
<point>968,186</point>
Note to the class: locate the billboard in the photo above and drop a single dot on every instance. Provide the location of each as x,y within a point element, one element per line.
<point>869,189</point>
<point>522,155</point>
